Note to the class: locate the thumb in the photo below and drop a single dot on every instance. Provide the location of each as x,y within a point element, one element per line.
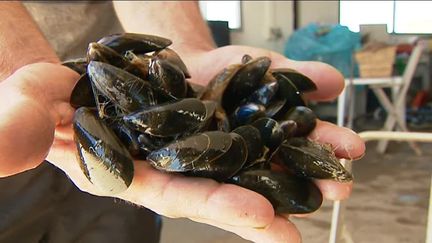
<point>26,132</point>
<point>28,116</point>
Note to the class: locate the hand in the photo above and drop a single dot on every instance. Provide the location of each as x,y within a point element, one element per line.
<point>205,64</point>
<point>37,97</point>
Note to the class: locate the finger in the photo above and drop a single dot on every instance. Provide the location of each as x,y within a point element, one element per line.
<point>49,84</point>
<point>178,196</point>
<point>345,142</point>
<point>333,190</point>
<point>279,230</point>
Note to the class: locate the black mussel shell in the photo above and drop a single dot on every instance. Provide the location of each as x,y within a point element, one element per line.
<point>271,133</point>
<point>102,53</point>
<point>138,43</point>
<point>227,165</point>
<point>254,144</point>
<point>263,95</point>
<point>305,119</point>
<point>148,143</point>
<point>79,65</point>
<point>139,65</point>
<point>128,137</point>
<point>246,114</point>
<point>213,154</point>
<point>211,107</point>
<point>274,107</point>
<point>310,159</point>
<point>301,81</point>
<point>171,56</point>
<point>221,120</point>
<point>82,93</point>
<point>168,77</point>
<point>244,82</point>
<point>289,127</point>
<point>288,194</point>
<point>127,91</point>
<point>219,82</point>
<point>182,117</point>
<point>190,91</point>
<point>287,91</point>
<point>103,158</point>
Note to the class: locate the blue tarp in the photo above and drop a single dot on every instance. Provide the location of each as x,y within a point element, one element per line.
<point>332,44</point>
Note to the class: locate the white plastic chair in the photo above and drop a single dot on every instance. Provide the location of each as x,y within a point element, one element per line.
<point>396,111</point>
<point>395,106</point>
<point>338,230</point>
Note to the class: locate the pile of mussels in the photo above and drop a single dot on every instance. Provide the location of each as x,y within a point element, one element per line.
<point>247,127</point>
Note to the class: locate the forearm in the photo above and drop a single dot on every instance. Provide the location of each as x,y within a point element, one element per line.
<point>21,41</point>
<point>180,21</point>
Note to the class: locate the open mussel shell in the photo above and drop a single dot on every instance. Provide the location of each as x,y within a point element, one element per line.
<point>127,91</point>
<point>288,194</point>
<point>217,155</point>
<point>244,82</point>
<point>310,159</point>
<point>103,158</point>
<point>138,43</point>
<point>182,117</point>
<point>263,95</point>
<point>305,119</point>
<point>301,81</point>
<point>82,93</point>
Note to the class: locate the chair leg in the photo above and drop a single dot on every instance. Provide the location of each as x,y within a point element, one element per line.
<point>393,118</point>
<point>429,222</point>
<point>351,106</point>
<point>341,108</point>
<point>338,230</point>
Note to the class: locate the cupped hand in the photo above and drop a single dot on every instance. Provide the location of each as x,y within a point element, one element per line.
<point>36,124</point>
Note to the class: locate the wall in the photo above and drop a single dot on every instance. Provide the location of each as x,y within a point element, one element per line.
<point>257,19</point>
<point>326,12</point>
<point>259,16</point>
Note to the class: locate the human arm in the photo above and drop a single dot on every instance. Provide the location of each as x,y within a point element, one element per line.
<point>21,42</point>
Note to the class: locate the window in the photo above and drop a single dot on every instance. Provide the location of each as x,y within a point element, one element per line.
<point>413,17</point>
<point>222,10</point>
<point>404,17</point>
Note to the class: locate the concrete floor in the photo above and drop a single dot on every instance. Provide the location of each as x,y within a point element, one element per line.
<point>388,204</point>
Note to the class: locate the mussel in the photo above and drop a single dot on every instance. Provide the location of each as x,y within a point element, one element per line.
<point>134,101</point>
